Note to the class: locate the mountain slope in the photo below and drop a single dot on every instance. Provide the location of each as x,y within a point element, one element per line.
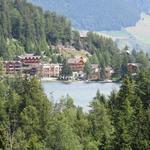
<point>142,29</point>
<point>98,14</point>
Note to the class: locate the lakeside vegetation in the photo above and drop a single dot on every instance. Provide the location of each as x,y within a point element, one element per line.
<point>30,121</point>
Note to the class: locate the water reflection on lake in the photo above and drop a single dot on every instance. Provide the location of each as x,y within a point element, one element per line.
<point>82,92</point>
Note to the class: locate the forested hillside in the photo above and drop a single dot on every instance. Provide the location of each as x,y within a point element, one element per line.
<point>29,121</point>
<point>27,28</point>
<point>24,27</point>
<point>98,15</point>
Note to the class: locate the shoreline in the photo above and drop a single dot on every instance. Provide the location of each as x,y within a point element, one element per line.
<point>76,81</point>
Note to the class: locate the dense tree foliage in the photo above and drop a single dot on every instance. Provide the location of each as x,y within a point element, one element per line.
<point>34,29</point>
<point>104,50</point>
<point>87,68</point>
<point>66,71</point>
<point>27,28</point>
<point>28,120</point>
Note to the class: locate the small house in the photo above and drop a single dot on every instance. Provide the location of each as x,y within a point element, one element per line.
<point>31,64</point>
<point>108,71</point>
<point>133,68</point>
<point>12,67</point>
<point>95,73</point>
<point>50,70</point>
<point>77,64</point>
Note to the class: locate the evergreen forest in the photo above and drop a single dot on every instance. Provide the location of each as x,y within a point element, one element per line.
<point>29,121</point>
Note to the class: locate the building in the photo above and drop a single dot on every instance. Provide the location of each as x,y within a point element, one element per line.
<point>50,70</point>
<point>108,72</point>
<point>77,64</point>
<point>45,70</point>
<point>29,59</point>
<point>95,73</point>
<point>55,70</point>
<point>31,64</point>
<point>133,68</point>
<point>12,67</point>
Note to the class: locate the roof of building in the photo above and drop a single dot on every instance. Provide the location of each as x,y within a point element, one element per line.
<point>83,34</point>
<point>134,64</point>
<point>28,56</point>
<point>6,62</point>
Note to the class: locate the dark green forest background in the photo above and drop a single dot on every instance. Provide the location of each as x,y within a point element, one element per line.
<point>26,28</point>
<point>29,121</point>
<point>31,30</point>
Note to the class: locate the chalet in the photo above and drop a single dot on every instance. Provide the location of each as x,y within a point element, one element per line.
<point>50,70</point>
<point>108,72</point>
<point>12,67</point>
<point>31,64</point>
<point>95,73</point>
<point>77,64</point>
<point>83,35</point>
<point>45,70</point>
<point>30,59</point>
<point>133,68</point>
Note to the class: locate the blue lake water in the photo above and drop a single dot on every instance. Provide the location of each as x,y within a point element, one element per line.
<point>81,92</point>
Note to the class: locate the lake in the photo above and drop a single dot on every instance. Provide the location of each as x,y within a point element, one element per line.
<point>81,92</point>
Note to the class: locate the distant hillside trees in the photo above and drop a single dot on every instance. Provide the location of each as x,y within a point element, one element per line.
<point>33,28</point>
<point>26,28</point>
<point>98,15</point>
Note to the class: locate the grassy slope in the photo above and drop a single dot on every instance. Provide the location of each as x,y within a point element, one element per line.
<point>142,29</point>
<point>75,53</point>
<point>68,52</point>
<point>137,36</point>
